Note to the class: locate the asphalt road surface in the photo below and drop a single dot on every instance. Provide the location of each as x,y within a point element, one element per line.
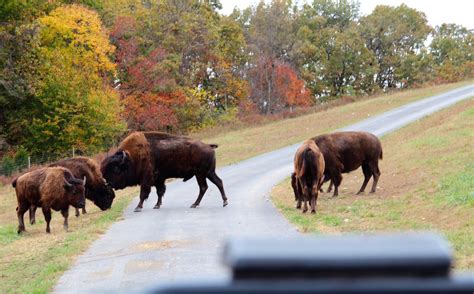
<point>177,243</point>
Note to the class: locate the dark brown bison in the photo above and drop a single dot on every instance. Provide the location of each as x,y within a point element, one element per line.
<point>50,188</point>
<point>347,151</point>
<point>308,176</point>
<point>149,158</point>
<point>97,189</point>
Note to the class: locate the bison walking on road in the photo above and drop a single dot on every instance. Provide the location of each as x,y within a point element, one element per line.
<point>50,188</point>
<point>149,158</point>
<point>347,151</point>
<point>309,175</point>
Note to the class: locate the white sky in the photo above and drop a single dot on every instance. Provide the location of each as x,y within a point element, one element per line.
<point>437,11</point>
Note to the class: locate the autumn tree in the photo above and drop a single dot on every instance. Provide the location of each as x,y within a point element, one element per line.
<point>68,102</point>
<point>395,35</point>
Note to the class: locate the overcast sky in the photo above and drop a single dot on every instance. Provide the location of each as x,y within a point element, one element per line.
<point>437,11</point>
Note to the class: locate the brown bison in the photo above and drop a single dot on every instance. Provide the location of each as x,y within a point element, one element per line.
<point>50,188</point>
<point>347,151</point>
<point>309,175</point>
<point>149,158</point>
<point>97,189</point>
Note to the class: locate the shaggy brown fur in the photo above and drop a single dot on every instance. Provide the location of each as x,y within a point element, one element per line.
<point>347,151</point>
<point>149,158</point>
<point>309,174</point>
<point>50,188</point>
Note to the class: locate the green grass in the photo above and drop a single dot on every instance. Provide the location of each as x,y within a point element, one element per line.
<point>427,183</point>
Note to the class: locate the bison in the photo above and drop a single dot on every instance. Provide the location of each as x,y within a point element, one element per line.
<point>309,174</point>
<point>97,189</point>
<point>149,158</point>
<point>347,151</point>
<point>50,188</point>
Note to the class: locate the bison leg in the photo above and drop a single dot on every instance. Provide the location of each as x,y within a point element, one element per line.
<point>144,192</point>
<point>84,209</point>
<point>33,214</point>
<point>376,173</point>
<point>330,187</point>
<point>336,180</point>
<point>47,217</point>
<point>160,190</point>
<point>65,213</point>
<point>20,211</point>
<point>78,213</point>
<point>202,189</point>
<point>212,176</point>
<point>367,175</point>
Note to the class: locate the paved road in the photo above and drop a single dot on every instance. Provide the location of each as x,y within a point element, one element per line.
<point>180,243</point>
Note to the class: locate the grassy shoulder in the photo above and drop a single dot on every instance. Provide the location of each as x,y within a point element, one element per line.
<point>245,143</point>
<point>427,182</point>
<point>34,261</point>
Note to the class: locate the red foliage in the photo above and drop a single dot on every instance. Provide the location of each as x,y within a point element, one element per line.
<point>289,87</point>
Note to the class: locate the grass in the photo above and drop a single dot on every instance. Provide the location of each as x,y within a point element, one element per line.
<point>34,261</point>
<point>427,183</point>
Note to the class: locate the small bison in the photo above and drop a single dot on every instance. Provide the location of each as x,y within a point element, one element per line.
<point>97,189</point>
<point>50,188</point>
<point>308,176</point>
<point>149,158</point>
<point>347,151</point>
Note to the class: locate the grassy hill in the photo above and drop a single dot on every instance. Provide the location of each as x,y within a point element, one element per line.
<point>427,183</point>
<point>34,261</point>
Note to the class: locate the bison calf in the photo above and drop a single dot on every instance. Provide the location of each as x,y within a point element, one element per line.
<point>347,151</point>
<point>149,158</point>
<point>50,188</point>
<point>309,175</point>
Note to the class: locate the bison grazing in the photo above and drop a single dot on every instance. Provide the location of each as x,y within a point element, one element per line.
<point>347,151</point>
<point>97,189</point>
<point>309,174</point>
<point>149,158</point>
<point>51,188</point>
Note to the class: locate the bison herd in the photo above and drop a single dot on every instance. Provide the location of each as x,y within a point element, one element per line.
<point>150,158</point>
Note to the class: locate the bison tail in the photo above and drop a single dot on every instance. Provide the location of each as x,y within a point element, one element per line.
<point>213,146</point>
<point>14,182</point>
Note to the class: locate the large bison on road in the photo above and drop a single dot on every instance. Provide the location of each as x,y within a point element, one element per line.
<point>347,151</point>
<point>149,158</point>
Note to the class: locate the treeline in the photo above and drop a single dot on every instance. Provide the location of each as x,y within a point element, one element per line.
<point>80,73</point>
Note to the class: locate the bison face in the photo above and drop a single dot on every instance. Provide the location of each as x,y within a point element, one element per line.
<point>75,189</point>
<point>118,170</point>
<point>103,195</point>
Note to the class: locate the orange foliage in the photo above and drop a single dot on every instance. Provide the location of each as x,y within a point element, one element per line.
<point>290,87</point>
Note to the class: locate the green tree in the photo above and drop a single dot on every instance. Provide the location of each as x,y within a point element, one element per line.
<point>394,34</point>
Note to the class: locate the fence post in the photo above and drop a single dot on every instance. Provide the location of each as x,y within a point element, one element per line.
<point>73,152</point>
<point>29,162</point>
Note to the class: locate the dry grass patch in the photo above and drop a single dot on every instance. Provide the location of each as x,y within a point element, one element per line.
<point>427,182</point>
<point>244,143</point>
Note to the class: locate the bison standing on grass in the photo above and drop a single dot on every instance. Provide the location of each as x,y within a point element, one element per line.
<point>97,189</point>
<point>347,151</point>
<point>309,174</point>
<point>149,158</point>
<point>51,188</point>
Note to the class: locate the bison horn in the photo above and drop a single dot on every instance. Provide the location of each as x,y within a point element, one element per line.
<point>124,156</point>
<point>84,181</point>
<point>67,183</point>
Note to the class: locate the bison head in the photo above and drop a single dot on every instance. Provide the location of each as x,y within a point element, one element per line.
<point>118,170</point>
<point>102,195</point>
<point>75,190</point>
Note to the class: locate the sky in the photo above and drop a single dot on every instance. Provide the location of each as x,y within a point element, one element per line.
<point>437,11</point>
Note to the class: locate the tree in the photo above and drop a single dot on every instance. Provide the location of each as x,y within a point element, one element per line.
<point>394,34</point>
<point>69,101</point>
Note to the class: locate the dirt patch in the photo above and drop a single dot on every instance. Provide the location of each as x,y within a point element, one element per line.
<point>157,245</point>
<point>136,266</point>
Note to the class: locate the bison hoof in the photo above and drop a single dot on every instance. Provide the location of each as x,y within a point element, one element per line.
<point>313,211</point>
<point>21,231</point>
<point>194,205</point>
<point>48,231</point>
<point>225,203</point>
<point>156,206</point>
<point>32,222</point>
<point>138,209</point>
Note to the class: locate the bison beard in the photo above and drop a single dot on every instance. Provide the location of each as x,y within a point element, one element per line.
<point>149,158</point>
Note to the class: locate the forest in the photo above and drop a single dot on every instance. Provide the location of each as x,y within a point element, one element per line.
<point>83,73</point>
